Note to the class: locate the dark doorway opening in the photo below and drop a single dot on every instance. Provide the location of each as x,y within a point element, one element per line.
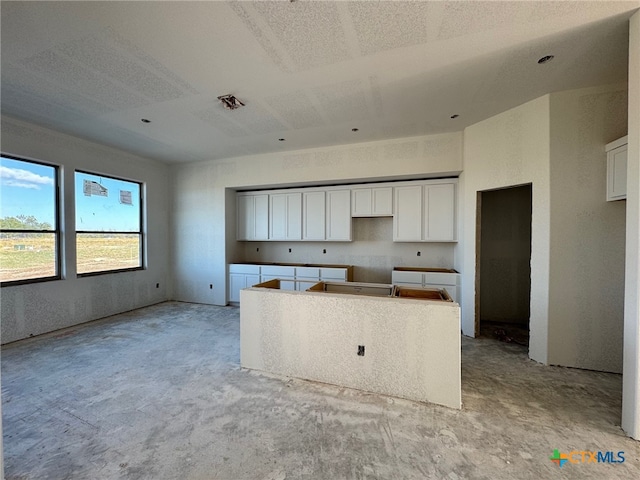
<point>503,268</point>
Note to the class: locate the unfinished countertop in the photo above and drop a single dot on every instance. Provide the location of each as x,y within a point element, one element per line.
<point>425,269</point>
<point>289,264</point>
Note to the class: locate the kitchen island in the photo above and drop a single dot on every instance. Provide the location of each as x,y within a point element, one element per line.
<point>402,346</point>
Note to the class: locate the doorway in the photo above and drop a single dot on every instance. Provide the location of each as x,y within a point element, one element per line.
<point>503,264</point>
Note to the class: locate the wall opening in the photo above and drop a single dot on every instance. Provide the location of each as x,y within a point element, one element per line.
<point>503,264</point>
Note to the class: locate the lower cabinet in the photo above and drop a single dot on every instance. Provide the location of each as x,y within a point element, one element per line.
<point>245,275</point>
<point>449,281</point>
<point>242,276</point>
<point>286,275</point>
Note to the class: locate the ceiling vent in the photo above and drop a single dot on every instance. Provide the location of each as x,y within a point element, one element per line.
<point>230,102</point>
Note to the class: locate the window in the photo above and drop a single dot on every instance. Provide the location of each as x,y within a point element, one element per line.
<point>108,224</point>
<point>29,233</point>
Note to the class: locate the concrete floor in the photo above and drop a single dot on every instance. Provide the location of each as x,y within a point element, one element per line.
<point>158,393</point>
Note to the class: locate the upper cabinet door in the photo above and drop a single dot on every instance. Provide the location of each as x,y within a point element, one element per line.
<point>261,229</point>
<point>439,213</point>
<point>361,202</point>
<point>294,216</point>
<point>253,217</point>
<point>407,218</point>
<point>372,202</point>
<point>246,216</point>
<point>382,201</point>
<point>313,215</point>
<point>338,217</point>
<point>285,216</point>
<point>617,174</point>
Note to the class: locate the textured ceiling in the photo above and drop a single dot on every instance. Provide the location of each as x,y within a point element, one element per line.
<point>308,71</point>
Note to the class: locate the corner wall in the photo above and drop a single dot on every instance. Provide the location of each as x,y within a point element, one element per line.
<point>509,149</point>
<point>38,308</point>
<point>202,206</point>
<point>631,361</point>
<point>586,276</point>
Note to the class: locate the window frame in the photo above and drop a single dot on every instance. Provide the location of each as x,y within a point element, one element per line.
<point>56,232</point>
<point>140,233</point>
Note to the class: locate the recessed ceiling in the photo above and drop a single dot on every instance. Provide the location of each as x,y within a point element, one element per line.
<point>307,71</point>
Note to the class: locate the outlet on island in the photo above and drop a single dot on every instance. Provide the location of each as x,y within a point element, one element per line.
<point>361,350</point>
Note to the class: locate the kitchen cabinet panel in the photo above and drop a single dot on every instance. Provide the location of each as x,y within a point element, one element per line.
<point>425,213</point>
<point>242,275</point>
<point>617,170</point>
<point>361,199</point>
<point>253,217</point>
<point>285,216</point>
<point>313,215</point>
<point>372,202</point>
<point>407,219</point>
<point>439,213</point>
<point>336,274</point>
<point>382,201</point>
<point>338,215</point>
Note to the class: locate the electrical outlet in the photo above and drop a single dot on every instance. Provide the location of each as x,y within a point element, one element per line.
<point>157,285</point>
<point>361,350</point>
<point>324,250</point>
<point>289,250</point>
<point>211,286</point>
<point>419,253</point>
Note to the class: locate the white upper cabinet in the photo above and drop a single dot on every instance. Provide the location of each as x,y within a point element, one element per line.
<point>338,215</point>
<point>313,215</point>
<point>439,213</point>
<point>425,212</point>
<point>253,217</point>
<point>407,218</point>
<point>285,216</point>
<point>372,202</point>
<point>617,170</point>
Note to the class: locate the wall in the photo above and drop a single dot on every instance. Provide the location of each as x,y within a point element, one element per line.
<point>505,267</point>
<point>509,149</point>
<point>43,307</point>
<point>372,251</point>
<point>203,210</point>
<point>631,362</point>
<point>556,143</point>
<point>586,280</point>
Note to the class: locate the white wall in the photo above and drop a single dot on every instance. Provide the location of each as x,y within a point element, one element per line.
<point>511,148</point>
<point>586,277</point>
<point>37,308</point>
<point>556,142</point>
<point>203,207</point>
<point>631,362</point>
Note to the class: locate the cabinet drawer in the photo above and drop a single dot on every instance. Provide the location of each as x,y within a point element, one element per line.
<point>339,274</point>
<point>441,278</point>
<point>278,271</point>
<point>244,268</point>
<point>406,277</point>
<point>307,272</point>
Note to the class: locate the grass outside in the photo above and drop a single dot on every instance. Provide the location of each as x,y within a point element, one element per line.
<point>34,257</point>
